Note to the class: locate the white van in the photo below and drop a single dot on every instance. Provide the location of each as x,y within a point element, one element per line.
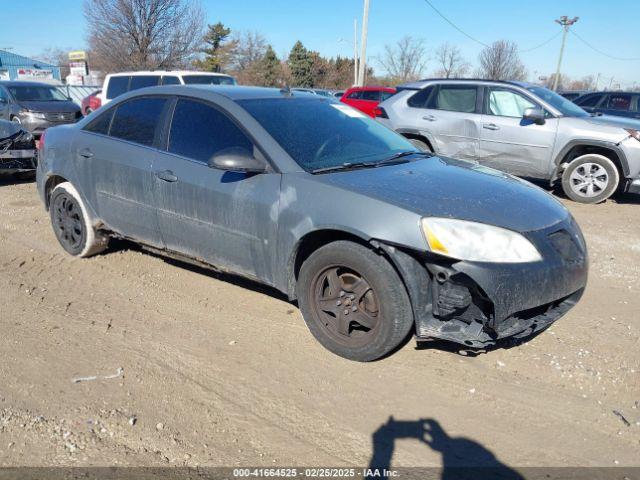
<point>118,83</point>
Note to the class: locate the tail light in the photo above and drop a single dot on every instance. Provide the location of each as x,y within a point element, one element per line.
<point>40,142</point>
<point>380,112</point>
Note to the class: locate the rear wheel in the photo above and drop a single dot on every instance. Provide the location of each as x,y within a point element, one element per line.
<point>71,224</point>
<point>591,178</point>
<point>353,301</point>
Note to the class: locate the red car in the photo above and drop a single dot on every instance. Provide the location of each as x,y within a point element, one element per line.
<point>366,99</point>
<point>90,103</point>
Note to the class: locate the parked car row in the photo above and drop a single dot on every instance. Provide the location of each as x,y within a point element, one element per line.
<point>374,238</point>
<point>522,129</point>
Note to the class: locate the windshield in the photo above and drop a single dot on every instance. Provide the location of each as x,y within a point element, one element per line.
<point>564,106</point>
<point>321,133</point>
<point>37,93</point>
<point>208,80</point>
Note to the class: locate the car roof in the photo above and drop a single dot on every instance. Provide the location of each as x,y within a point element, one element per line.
<point>232,92</point>
<point>24,83</point>
<point>421,83</point>
<point>168,72</point>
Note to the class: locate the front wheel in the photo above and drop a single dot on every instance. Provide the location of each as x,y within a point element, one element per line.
<point>591,178</point>
<point>353,301</point>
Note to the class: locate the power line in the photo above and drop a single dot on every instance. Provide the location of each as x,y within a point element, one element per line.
<point>454,25</point>
<point>555,35</point>
<point>478,41</point>
<point>600,51</point>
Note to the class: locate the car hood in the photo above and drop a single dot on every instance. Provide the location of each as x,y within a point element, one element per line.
<point>444,187</point>
<point>614,121</point>
<point>58,107</point>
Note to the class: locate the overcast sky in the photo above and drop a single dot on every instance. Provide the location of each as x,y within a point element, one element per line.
<point>327,26</point>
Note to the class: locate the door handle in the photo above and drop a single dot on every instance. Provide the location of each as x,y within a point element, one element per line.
<point>167,176</point>
<point>490,126</point>
<point>429,118</point>
<point>86,153</point>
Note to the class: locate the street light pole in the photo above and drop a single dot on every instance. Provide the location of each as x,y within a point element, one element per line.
<point>566,22</point>
<point>363,44</point>
<point>355,51</point>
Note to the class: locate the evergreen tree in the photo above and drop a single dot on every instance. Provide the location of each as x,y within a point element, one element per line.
<point>217,52</point>
<point>301,66</point>
<point>270,68</point>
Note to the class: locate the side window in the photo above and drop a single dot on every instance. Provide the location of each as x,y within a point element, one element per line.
<point>117,86</point>
<point>357,95</point>
<point>619,101</point>
<point>507,103</point>
<point>589,100</point>
<point>101,124</point>
<point>371,95</point>
<point>170,80</point>
<point>3,95</point>
<point>457,98</point>
<point>199,131</point>
<point>421,99</point>
<point>142,81</point>
<point>136,120</point>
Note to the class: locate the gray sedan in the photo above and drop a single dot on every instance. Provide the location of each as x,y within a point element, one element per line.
<point>373,238</point>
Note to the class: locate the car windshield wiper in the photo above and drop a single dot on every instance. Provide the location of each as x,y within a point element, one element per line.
<point>395,159</point>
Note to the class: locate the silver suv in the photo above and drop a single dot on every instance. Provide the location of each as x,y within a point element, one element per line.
<point>522,129</point>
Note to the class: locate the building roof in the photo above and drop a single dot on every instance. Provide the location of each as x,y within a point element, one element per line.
<point>10,59</point>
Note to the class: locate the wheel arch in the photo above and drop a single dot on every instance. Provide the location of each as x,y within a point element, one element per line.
<point>417,135</point>
<point>311,242</point>
<point>52,182</point>
<point>578,148</point>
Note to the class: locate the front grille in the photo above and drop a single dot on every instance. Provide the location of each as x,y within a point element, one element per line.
<point>60,116</point>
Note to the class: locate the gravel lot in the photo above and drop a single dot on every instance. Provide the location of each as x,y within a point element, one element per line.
<point>131,359</point>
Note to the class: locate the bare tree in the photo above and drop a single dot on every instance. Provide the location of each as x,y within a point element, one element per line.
<point>57,56</point>
<point>250,48</point>
<point>406,60</point>
<point>143,34</point>
<point>501,61</point>
<point>451,62</point>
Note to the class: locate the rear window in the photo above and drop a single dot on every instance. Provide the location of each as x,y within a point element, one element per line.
<point>208,80</point>
<point>136,120</point>
<point>421,98</point>
<point>371,95</point>
<point>117,86</point>
<point>142,81</point>
<point>457,98</point>
<point>620,102</point>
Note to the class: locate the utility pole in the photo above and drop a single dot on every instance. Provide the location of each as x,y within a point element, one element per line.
<point>363,44</point>
<point>355,51</point>
<point>566,22</point>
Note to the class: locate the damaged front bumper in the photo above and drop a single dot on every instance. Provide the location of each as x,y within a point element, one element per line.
<point>16,161</point>
<point>477,304</point>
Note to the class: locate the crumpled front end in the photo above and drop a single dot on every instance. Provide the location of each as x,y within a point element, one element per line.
<point>18,153</point>
<point>477,304</point>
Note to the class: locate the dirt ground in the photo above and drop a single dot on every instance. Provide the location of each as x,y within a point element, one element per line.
<point>131,359</point>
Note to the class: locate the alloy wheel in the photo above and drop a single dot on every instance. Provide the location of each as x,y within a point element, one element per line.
<point>589,180</point>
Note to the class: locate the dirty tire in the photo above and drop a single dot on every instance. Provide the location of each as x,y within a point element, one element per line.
<point>380,298</point>
<point>591,178</point>
<point>71,223</point>
<point>420,145</point>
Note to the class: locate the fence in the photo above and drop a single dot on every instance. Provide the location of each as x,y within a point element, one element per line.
<point>78,92</point>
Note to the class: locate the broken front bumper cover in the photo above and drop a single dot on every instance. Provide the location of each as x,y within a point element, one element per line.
<point>15,161</point>
<point>478,304</point>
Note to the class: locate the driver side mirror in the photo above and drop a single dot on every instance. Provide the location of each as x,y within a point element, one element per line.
<point>237,159</point>
<point>535,115</point>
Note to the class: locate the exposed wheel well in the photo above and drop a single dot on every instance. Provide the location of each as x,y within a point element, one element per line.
<point>312,242</point>
<point>415,136</point>
<point>580,150</point>
<point>52,181</point>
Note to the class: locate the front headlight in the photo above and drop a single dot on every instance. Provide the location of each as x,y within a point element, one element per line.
<point>477,242</point>
<point>634,133</point>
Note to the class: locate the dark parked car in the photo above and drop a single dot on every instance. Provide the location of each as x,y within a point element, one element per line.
<point>17,149</point>
<point>623,104</point>
<point>374,238</point>
<point>36,106</point>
